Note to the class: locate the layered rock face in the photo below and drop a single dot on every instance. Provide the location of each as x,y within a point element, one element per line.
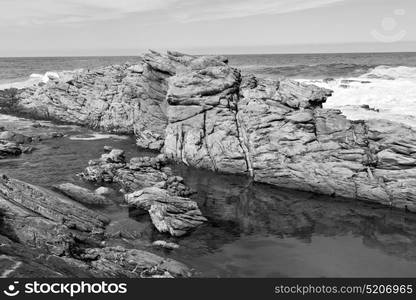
<point>153,188</point>
<point>205,114</point>
<point>302,146</point>
<point>278,132</point>
<point>43,234</point>
<point>122,99</point>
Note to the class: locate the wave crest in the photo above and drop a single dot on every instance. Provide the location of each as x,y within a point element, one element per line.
<point>36,79</point>
<point>392,73</point>
<point>390,91</point>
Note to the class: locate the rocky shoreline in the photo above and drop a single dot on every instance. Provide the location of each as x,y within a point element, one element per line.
<point>194,110</point>
<point>204,113</point>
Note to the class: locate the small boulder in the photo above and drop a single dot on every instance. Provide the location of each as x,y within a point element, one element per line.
<point>104,191</point>
<point>107,149</point>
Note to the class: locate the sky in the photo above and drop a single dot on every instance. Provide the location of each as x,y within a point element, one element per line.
<point>130,27</point>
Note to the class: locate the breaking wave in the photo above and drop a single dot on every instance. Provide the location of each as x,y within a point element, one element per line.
<point>389,92</point>
<point>36,79</point>
<point>308,71</point>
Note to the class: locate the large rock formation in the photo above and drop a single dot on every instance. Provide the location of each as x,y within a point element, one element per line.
<point>205,114</point>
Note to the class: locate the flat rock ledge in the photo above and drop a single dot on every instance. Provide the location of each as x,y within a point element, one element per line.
<point>169,213</point>
<point>45,234</point>
<point>204,113</point>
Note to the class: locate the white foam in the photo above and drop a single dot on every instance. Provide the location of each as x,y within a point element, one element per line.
<point>97,136</point>
<point>386,72</point>
<point>391,90</point>
<point>45,77</point>
<point>35,79</point>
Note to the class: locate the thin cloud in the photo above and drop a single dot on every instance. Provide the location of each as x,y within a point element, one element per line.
<point>30,12</point>
<point>219,9</point>
<point>40,12</point>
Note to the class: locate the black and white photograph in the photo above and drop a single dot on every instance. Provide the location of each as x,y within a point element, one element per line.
<point>177,141</point>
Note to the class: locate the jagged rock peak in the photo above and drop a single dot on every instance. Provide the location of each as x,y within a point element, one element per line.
<point>175,62</point>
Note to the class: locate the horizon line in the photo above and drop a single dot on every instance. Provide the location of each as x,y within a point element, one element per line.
<point>217,53</point>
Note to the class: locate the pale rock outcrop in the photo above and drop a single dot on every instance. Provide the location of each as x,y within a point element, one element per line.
<point>118,99</point>
<point>278,132</point>
<point>173,214</point>
<point>128,99</point>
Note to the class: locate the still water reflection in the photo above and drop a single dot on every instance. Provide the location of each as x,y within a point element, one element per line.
<point>254,230</point>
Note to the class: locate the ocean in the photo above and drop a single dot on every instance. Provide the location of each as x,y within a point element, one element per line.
<point>297,66</point>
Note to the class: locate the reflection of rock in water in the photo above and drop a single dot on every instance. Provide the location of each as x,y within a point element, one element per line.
<point>236,207</point>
